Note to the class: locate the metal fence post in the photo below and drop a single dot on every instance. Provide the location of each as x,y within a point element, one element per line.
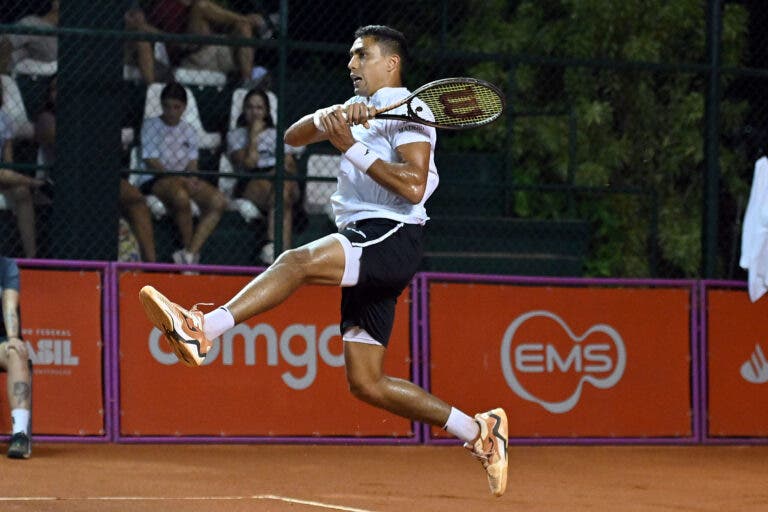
<point>711,142</point>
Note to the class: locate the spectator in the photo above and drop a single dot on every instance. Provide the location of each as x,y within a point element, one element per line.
<point>131,202</point>
<point>17,187</point>
<point>14,359</point>
<point>197,17</point>
<point>17,47</point>
<point>251,147</point>
<point>142,53</point>
<point>170,145</point>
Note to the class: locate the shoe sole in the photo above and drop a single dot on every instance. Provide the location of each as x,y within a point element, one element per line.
<point>156,307</point>
<point>500,434</point>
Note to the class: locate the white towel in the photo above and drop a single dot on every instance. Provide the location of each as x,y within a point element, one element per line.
<point>754,233</point>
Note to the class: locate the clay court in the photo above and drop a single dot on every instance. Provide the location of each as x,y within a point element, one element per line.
<point>256,478</point>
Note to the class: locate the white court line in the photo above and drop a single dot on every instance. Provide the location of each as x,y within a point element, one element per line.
<point>272,497</point>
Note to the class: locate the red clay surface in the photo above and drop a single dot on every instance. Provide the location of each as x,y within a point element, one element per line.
<point>256,478</point>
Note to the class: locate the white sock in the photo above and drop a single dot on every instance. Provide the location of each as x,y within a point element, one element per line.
<point>20,420</point>
<point>462,426</point>
<point>217,322</point>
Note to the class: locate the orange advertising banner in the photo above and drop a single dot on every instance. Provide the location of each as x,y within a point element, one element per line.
<point>597,362</point>
<point>279,374</point>
<point>61,323</point>
<point>737,364</point>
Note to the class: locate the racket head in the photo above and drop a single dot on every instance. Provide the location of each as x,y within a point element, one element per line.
<point>454,104</point>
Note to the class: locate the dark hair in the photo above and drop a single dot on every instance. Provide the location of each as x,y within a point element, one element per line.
<point>392,40</point>
<point>268,121</point>
<point>174,91</point>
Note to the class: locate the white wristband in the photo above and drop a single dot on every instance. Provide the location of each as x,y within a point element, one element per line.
<point>361,156</point>
<point>316,119</point>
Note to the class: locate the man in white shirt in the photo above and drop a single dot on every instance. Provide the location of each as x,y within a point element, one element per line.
<point>387,174</point>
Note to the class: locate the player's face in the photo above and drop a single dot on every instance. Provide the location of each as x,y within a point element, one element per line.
<point>368,67</point>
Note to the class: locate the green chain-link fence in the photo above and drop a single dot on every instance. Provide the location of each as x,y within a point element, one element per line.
<point>626,149</point>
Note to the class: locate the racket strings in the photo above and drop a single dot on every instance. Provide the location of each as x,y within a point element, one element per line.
<point>461,104</point>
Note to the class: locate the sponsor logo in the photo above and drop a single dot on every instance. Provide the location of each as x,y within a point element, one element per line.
<point>539,348</point>
<point>299,346</point>
<point>461,103</point>
<point>755,369</point>
<point>52,352</point>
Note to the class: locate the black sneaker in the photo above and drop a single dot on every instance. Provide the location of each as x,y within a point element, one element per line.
<point>20,447</point>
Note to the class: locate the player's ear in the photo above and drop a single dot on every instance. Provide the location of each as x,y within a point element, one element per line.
<point>393,62</point>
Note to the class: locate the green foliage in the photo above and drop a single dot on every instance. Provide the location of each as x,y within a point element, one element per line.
<point>638,126</point>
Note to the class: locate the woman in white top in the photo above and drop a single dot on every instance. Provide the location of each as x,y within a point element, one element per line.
<point>251,147</point>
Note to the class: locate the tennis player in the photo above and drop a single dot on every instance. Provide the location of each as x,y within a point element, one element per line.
<point>14,359</point>
<point>387,174</point>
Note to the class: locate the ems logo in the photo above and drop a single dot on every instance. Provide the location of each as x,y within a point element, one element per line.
<point>545,362</point>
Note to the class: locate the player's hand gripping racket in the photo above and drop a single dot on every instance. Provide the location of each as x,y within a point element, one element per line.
<point>455,104</point>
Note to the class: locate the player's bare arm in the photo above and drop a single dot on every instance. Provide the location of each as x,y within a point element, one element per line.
<point>407,178</point>
<point>304,132</point>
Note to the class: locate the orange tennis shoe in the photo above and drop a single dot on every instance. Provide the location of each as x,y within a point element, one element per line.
<point>491,448</point>
<point>182,328</point>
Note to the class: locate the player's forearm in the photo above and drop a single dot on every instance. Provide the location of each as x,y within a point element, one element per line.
<point>303,132</point>
<point>402,179</point>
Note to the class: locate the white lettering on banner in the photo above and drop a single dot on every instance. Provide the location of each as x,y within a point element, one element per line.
<point>544,358</point>
<point>755,369</point>
<point>52,352</point>
<point>276,347</point>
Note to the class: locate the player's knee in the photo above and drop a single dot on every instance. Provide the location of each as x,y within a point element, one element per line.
<point>17,353</point>
<point>299,260</point>
<point>364,388</point>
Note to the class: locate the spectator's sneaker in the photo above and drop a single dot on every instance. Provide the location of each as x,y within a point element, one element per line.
<point>20,447</point>
<point>183,328</point>
<point>491,448</point>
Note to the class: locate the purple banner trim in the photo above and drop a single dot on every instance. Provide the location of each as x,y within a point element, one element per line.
<point>269,440</point>
<point>172,267</point>
<point>527,441</point>
<point>415,347</point>
<point>695,329</point>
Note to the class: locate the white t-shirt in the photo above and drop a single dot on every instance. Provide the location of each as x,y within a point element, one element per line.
<point>174,146</point>
<point>358,196</point>
<point>266,143</point>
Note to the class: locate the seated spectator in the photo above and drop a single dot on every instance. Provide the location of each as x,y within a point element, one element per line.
<point>170,145</point>
<point>142,53</point>
<point>17,47</point>
<point>131,202</point>
<point>198,17</point>
<point>18,187</point>
<point>251,147</point>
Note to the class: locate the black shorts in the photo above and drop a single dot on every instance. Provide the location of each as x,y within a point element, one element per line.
<point>391,254</point>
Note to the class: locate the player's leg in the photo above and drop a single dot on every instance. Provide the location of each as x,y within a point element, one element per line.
<point>485,435</point>
<point>364,364</point>
<point>189,331</point>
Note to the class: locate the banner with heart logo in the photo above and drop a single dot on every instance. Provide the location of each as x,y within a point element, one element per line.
<point>585,361</point>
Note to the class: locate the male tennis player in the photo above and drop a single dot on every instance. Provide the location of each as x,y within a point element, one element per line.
<point>387,174</point>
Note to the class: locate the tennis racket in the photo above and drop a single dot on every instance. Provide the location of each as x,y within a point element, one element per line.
<point>455,104</point>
